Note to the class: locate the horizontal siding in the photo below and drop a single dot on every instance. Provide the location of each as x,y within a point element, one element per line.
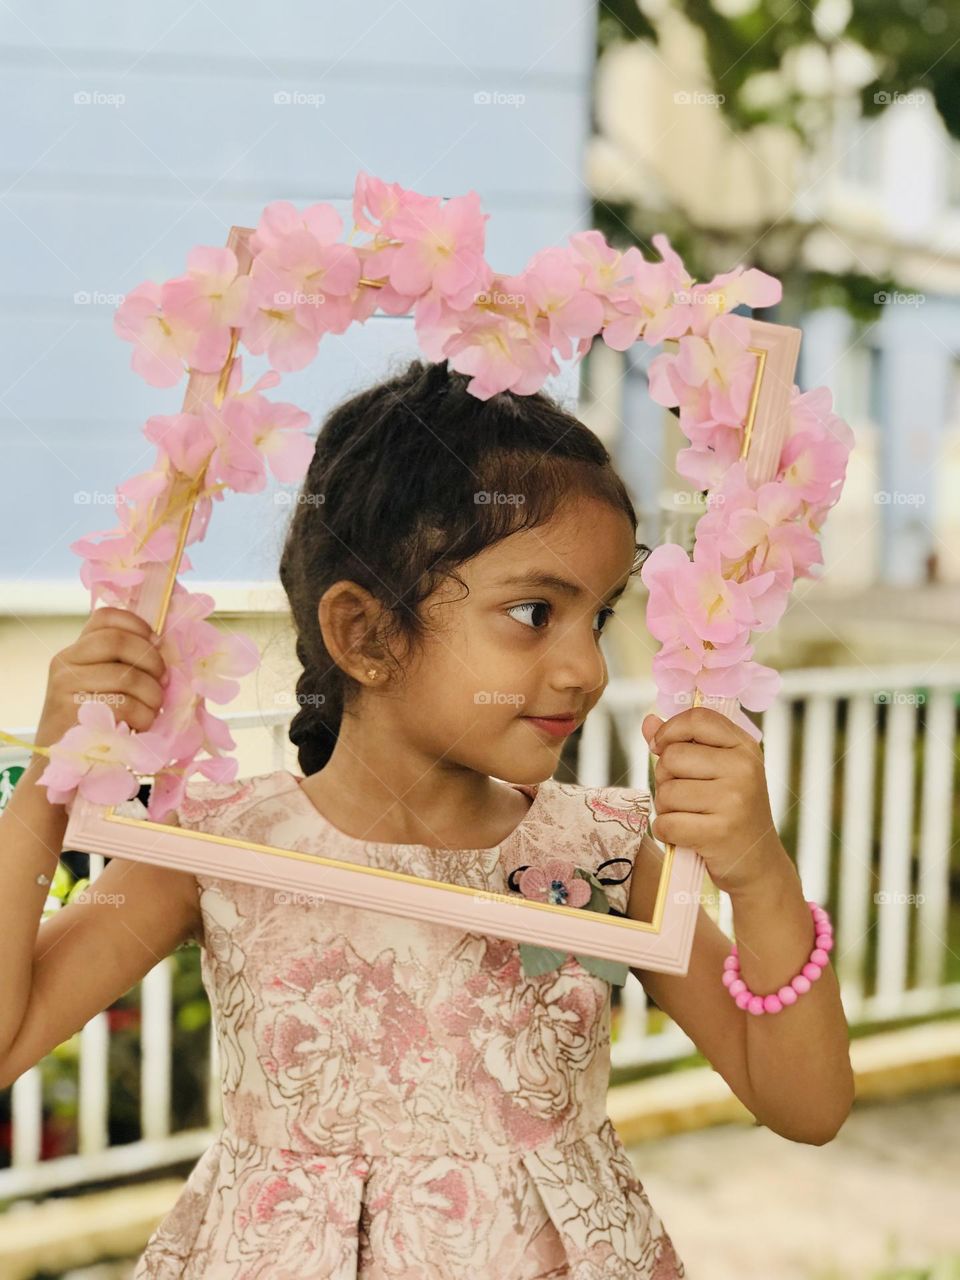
<point>543,37</point>
<point>99,198</point>
<point>189,132</point>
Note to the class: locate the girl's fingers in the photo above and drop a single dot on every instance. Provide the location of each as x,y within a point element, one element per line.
<point>110,616</point>
<point>680,795</point>
<point>116,645</point>
<point>116,679</point>
<point>138,715</point>
<point>700,724</point>
<point>689,760</point>
<point>686,830</point>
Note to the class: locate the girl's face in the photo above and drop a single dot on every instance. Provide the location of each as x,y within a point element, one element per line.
<point>525,642</point>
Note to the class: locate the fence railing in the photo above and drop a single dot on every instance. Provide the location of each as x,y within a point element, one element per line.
<point>861,768</point>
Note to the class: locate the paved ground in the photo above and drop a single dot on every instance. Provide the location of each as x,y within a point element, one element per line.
<point>745,1204</point>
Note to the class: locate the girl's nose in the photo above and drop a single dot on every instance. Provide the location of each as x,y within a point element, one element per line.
<point>579,666</point>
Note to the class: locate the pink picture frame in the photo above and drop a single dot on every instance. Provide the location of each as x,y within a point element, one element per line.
<point>661,943</point>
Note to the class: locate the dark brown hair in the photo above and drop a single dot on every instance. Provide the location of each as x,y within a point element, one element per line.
<point>410,478</point>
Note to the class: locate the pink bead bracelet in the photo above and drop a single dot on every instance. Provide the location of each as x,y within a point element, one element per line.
<point>799,985</point>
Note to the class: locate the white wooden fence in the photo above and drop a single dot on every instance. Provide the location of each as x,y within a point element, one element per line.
<point>891,962</point>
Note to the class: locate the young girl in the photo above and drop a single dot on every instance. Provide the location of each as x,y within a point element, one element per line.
<point>400,1099</point>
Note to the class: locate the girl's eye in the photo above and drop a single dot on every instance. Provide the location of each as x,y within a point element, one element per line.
<point>533,604</point>
<point>606,613</point>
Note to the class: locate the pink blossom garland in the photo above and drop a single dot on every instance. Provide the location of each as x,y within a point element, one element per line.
<point>425,256</point>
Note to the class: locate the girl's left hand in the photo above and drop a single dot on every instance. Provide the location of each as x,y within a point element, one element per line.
<point>711,795</point>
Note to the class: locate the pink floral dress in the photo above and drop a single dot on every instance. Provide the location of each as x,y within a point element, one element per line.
<point>399,1100</point>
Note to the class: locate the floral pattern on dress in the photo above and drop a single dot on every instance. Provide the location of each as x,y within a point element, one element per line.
<point>399,1099</point>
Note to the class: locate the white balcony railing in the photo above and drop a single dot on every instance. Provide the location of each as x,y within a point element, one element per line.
<point>831,734</point>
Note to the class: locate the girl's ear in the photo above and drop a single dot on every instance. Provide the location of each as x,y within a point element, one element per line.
<point>349,618</point>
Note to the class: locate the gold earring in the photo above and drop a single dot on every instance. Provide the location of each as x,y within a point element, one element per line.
<point>373,673</point>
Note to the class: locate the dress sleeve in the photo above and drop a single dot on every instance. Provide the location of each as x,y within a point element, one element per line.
<point>618,818</point>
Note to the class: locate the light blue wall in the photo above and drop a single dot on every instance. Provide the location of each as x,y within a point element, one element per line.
<point>100,197</point>
<point>909,403</point>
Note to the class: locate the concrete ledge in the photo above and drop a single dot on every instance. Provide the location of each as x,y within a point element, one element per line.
<point>887,1065</point>
<point>59,1234</point>
<point>64,1233</point>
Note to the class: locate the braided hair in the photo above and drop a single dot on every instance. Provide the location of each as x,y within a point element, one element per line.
<point>410,478</point>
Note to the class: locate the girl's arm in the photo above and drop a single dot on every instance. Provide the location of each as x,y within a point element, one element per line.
<point>791,1069</point>
<point>56,974</point>
<point>54,978</point>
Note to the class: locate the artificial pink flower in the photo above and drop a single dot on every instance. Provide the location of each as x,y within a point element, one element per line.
<point>281,219</point>
<point>366,299</point>
<point>758,529</point>
<point>705,466</point>
<point>307,274</point>
<point>551,284</point>
<point>501,354</point>
<point>211,298</point>
<point>277,433</point>
<point>692,600</point>
<point>442,246</point>
<point>117,562</point>
<point>436,319</point>
<point>209,658</point>
<point>750,287</point>
<point>724,601</point>
<point>648,303</point>
<point>599,264</point>
<point>185,439</point>
<point>235,461</point>
<point>723,362</point>
<point>289,343</point>
<point>554,882</point>
<point>814,458</point>
<point>721,671</point>
<point>94,758</point>
<point>170,786</point>
<point>384,201</point>
<point>162,346</point>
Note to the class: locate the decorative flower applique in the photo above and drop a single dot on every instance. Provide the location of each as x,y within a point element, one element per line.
<point>560,883</point>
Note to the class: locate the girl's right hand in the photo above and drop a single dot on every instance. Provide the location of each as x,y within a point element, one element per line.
<point>113,659</point>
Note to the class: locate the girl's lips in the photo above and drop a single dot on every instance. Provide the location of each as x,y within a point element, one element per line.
<point>556,728</point>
